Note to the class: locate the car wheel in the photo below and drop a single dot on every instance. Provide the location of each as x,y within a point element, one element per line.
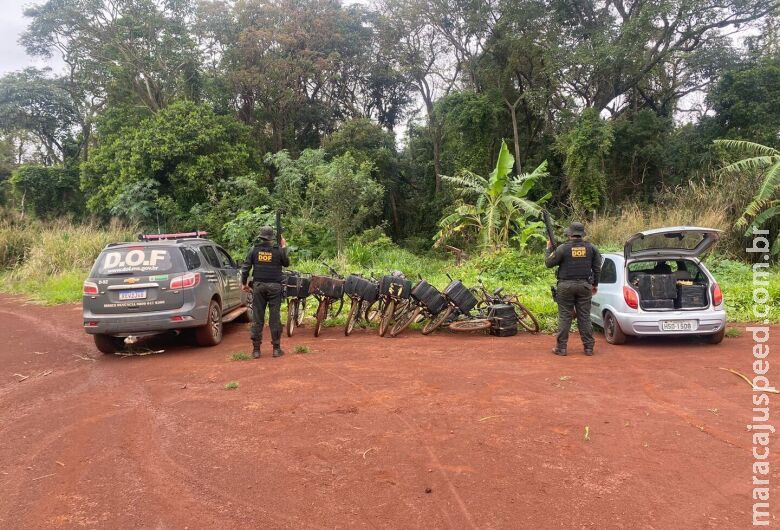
<point>716,338</point>
<point>612,331</point>
<point>108,344</point>
<point>211,333</point>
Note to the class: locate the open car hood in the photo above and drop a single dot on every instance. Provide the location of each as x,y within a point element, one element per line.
<point>682,241</point>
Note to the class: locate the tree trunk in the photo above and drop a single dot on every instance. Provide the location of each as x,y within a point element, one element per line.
<point>437,157</point>
<point>515,132</point>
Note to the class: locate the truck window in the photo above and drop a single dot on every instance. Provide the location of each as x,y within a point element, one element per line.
<point>608,272</point>
<point>211,256</point>
<point>191,258</point>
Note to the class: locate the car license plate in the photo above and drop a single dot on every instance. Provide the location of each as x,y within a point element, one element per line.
<point>135,294</point>
<point>679,325</point>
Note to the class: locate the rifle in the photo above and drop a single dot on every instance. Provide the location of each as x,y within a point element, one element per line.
<point>549,226</point>
<point>278,228</point>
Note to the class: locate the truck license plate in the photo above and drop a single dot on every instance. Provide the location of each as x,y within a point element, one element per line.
<point>679,325</point>
<point>135,294</point>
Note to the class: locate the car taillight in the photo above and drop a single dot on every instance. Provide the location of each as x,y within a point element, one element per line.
<point>717,294</point>
<point>187,281</point>
<point>630,296</point>
<point>90,288</point>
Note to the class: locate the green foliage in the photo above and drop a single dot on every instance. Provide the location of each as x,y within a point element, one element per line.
<point>495,208</point>
<point>585,148</point>
<point>47,191</point>
<point>240,233</point>
<point>765,205</point>
<point>240,356</point>
<point>231,385</point>
<point>348,195</point>
<point>173,161</point>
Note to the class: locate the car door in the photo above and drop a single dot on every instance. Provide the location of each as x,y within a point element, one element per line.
<point>233,276</point>
<point>607,291</point>
<point>220,275</point>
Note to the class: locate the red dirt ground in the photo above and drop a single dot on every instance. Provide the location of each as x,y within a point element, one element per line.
<point>414,432</point>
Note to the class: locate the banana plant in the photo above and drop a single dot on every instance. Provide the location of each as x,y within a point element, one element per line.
<point>765,204</point>
<point>493,208</point>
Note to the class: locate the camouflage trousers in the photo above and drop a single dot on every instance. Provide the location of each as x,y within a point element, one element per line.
<point>574,294</point>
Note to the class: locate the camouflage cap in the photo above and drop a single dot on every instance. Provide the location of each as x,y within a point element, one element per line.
<point>575,229</point>
<point>266,233</point>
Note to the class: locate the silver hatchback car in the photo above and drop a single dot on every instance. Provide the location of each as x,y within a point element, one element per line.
<point>659,286</point>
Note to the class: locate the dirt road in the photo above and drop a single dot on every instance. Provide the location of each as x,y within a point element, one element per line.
<point>415,432</point>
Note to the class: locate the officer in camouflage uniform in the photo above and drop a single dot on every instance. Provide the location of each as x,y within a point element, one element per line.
<point>579,266</point>
<point>266,260</point>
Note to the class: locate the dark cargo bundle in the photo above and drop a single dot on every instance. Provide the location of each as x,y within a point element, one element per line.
<point>326,286</point>
<point>460,296</point>
<point>503,320</point>
<point>656,286</point>
<point>664,303</point>
<point>429,296</point>
<point>358,287</point>
<point>395,286</point>
<point>296,284</point>
<point>689,296</point>
<point>502,311</point>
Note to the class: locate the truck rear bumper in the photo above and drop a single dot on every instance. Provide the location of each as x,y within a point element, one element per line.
<point>149,323</point>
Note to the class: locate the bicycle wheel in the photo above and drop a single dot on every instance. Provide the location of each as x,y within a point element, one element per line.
<point>401,307</point>
<point>322,314</point>
<point>301,312</point>
<point>525,318</point>
<point>292,310</point>
<point>354,314</point>
<point>387,317</point>
<point>339,304</point>
<point>374,310</point>
<point>404,320</point>
<point>437,321</point>
<point>476,324</point>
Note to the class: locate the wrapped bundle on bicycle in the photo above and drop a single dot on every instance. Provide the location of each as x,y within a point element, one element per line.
<point>503,320</point>
<point>356,286</point>
<point>326,286</point>
<point>429,296</point>
<point>296,285</point>
<point>395,286</point>
<point>461,296</point>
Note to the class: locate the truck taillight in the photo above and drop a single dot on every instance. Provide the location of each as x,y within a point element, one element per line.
<point>187,281</point>
<point>717,294</point>
<point>90,288</point>
<point>630,296</point>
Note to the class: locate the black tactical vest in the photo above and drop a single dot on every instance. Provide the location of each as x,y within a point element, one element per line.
<point>577,262</point>
<point>267,263</point>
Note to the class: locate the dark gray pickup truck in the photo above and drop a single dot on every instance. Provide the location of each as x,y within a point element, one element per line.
<point>168,282</point>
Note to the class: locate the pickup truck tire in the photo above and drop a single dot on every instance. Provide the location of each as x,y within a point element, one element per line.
<point>210,334</point>
<point>108,344</point>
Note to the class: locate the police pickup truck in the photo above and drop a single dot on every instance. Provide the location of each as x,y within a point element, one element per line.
<point>163,282</point>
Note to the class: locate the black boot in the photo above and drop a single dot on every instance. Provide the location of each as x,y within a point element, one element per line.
<point>559,351</point>
<point>278,351</point>
<point>256,350</point>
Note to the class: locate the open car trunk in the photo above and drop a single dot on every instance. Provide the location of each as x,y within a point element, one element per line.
<point>669,285</point>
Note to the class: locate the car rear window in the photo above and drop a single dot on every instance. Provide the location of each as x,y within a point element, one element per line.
<point>133,260</point>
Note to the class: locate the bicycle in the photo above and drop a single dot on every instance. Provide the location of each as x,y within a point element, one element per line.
<point>426,302</point>
<point>460,301</point>
<point>489,300</point>
<point>327,290</point>
<point>394,292</point>
<point>296,290</point>
<point>363,294</point>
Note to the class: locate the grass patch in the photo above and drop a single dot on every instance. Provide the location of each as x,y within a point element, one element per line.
<point>733,333</point>
<point>232,385</point>
<point>301,349</point>
<point>240,356</point>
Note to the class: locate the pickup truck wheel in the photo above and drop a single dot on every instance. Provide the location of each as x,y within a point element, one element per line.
<point>211,333</point>
<point>716,338</point>
<point>612,331</point>
<point>108,344</point>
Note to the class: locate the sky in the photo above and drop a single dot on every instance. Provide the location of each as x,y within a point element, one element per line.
<point>12,24</point>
